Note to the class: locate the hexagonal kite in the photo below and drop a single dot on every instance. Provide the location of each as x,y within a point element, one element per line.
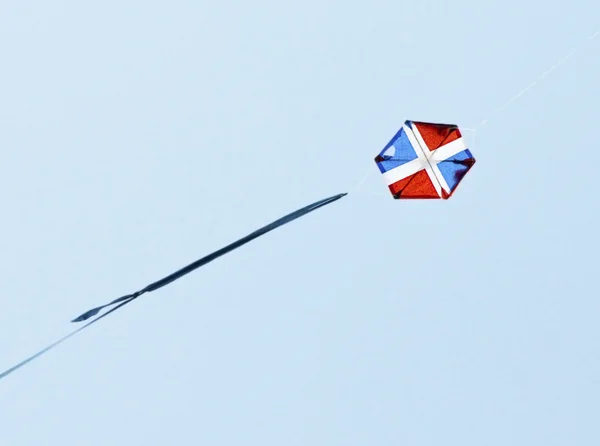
<point>425,160</point>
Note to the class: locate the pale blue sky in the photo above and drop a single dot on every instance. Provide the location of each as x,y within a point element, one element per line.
<point>138,136</point>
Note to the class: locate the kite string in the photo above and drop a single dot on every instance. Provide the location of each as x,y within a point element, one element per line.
<point>366,175</point>
<point>505,106</point>
<point>474,131</point>
<point>544,74</point>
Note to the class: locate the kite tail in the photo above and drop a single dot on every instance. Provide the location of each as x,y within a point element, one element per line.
<point>60,341</point>
<point>94,311</point>
<point>124,300</point>
<point>214,255</point>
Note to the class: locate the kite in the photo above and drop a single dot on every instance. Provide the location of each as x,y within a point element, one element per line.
<point>425,160</point>
<point>124,300</point>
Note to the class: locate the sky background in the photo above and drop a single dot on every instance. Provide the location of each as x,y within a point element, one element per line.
<point>138,136</point>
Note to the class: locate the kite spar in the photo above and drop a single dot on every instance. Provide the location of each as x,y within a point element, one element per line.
<point>124,300</point>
